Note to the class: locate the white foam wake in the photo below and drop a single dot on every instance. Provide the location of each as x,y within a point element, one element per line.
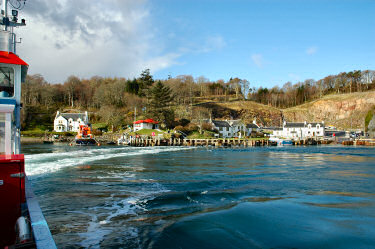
<point>41,164</point>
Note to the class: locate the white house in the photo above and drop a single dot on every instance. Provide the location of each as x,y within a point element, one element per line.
<point>234,128</point>
<point>238,128</point>
<point>146,124</point>
<point>224,128</point>
<point>304,130</point>
<point>277,131</point>
<point>253,127</point>
<point>70,121</point>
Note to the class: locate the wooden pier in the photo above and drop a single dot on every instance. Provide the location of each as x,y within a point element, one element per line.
<point>365,142</point>
<point>146,142</point>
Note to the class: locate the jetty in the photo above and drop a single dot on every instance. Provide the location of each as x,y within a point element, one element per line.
<point>365,142</point>
<point>145,142</point>
<point>217,142</point>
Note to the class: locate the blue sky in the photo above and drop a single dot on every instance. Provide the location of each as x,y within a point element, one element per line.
<point>267,42</point>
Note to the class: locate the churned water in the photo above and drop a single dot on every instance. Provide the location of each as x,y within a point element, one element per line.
<point>175,197</point>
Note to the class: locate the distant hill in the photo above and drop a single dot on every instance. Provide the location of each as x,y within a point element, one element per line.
<point>344,111</point>
<point>341,110</point>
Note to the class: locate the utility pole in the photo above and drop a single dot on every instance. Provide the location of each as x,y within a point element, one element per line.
<point>135,117</point>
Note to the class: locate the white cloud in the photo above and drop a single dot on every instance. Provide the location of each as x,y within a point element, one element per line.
<point>258,60</point>
<point>90,37</point>
<point>311,50</point>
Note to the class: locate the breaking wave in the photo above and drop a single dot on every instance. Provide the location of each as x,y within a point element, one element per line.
<point>45,163</point>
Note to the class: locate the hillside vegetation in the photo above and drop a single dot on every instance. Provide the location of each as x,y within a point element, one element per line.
<point>342,100</point>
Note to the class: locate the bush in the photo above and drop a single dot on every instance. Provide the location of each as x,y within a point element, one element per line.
<point>183,129</point>
<point>207,127</point>
<point>192,127</point>
<point>209,134</point>
<point>33,133</point>
<point>183,122</point>
<point>68,133</point>
<point>97,132</point>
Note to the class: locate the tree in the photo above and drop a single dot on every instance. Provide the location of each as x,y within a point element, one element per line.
<point>71,85</point>
<point>245,87</point>
<point>145,82</point>
<point>235,84</point>
<point>160,103</point>
<point>112,116</point>
<point>201,114</point>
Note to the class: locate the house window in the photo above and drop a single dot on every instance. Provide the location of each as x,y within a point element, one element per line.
<point>6,82</point>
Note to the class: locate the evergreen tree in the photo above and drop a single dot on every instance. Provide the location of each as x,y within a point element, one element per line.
<point>145,82</point>
<point>160,103</point>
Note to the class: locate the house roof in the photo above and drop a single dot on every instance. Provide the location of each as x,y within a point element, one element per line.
<point>294,125</point>
<point>235,122</point>
<point>315,124</point>
<point>219,123</point>
<point>148,121</point>
<point>74,116</point>
<point>252,125</point>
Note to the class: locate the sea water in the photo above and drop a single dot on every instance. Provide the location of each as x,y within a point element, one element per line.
<point>180,197</point>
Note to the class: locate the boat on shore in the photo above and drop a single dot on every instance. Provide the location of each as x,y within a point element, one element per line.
<point>281,141</point>
<point>85,137</point>
<point>22,224</point>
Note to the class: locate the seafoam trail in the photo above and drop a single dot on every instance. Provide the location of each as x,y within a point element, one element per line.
<point>46,163</point>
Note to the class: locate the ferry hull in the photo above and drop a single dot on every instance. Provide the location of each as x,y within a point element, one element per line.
<point>12,194</point>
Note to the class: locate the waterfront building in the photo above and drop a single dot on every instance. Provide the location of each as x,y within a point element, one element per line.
<point>224,128</point>
<point>300,131</point>
<point>251,128</point>
<point>234,128</point>
<point>238,128</point>
<point>275,131</point>
<point>70,121</point>
<point>146,124</point>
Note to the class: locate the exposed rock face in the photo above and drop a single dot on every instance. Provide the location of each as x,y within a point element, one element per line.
<point>344,111</point>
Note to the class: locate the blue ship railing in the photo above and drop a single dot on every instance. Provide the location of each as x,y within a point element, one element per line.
<point>42,234</point>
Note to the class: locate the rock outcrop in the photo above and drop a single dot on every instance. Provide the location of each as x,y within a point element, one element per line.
<point>343,111</point>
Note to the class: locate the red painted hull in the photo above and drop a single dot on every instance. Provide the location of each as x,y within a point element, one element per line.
<point>12,195</point>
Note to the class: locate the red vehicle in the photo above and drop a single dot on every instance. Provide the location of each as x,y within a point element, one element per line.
<point>22,224</point>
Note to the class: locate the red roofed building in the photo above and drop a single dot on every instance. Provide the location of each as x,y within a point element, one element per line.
<point>146,124</point>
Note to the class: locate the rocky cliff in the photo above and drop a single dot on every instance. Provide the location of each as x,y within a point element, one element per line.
<point>342,110</point>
